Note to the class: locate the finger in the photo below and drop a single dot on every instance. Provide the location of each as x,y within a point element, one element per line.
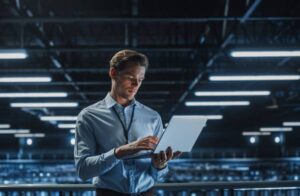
<point>169,153</point>
<point>144,147</point>
<point>155,156</point>
<point>176,154</point>
<point>156,159</point>
<point>163,156</point>
<point>152,140</point>
<point>151,137</point>
<point>147,143</point>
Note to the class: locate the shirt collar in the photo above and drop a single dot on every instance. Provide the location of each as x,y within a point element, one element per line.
<point>110,102</point>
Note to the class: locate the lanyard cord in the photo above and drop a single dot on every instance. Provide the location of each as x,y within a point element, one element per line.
<point>130,123</point>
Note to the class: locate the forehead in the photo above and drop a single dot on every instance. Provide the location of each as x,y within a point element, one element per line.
<point>134,69</point>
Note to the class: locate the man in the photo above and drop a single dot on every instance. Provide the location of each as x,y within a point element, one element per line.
<point>117,127</point>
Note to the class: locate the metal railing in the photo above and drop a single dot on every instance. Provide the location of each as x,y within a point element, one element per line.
<point>190,188</point>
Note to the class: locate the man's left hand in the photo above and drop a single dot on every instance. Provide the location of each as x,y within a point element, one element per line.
<point>160,161</point>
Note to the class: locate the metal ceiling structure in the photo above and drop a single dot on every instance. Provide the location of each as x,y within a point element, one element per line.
<point>186,42</point>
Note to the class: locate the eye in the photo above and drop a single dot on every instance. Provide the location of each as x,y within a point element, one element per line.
<point>130,77</point>
<point>141,79</point>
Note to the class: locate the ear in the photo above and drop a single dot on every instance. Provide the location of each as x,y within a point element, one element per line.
<point>112,73</point>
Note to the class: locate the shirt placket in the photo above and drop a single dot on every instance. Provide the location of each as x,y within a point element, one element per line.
<point>124,119</point>
<point>127,119</point>
<point>131,168</point>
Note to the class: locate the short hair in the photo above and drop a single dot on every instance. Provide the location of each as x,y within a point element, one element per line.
<point>121,59</point>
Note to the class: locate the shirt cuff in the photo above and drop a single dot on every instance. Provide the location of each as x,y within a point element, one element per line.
<point>110,157</point>
<point>159,174</point>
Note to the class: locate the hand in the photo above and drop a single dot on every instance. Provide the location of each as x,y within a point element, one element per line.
<point>160,160</point>
<point>147,143</point>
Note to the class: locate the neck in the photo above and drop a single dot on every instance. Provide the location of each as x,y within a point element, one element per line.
<point>120,100</point>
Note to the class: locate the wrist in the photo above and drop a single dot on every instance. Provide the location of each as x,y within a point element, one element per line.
<point>117,153</point>
<point>160,166</point>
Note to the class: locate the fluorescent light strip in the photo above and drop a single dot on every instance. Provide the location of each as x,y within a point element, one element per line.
<point>217,103</point>
<point>24,79</point>
<point>291,124</point>
<point>67,126</point>
<point>4,126</point>
<point>29,95</point>
<point>254,78</point>
<point>30,135</point>
<point>271,188</point>
<point>211,117</point>
<point>58,118</point>
<point>254,133</point>
<point>231,93</point>
<point>72,131</point>
<point>276,129</point>
<point>44,105</point>
<point>13,131</point>
<point>282,53</point>
<point>13,54</point>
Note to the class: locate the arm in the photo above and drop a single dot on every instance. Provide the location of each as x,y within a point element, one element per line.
<point>88,163</point>
<point>158,172</point>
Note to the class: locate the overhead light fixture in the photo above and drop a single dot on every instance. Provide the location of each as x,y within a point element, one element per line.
<point>255,133</point>
<point>13,54</point>
<point>24,79</point>
<point>32,95</point>
<point>254,78</point>
<point>72,141</point>
<point>291,124</point>
<point>208,117</point>
<point>72,131</point>
<point>277,139</point>
<point>4,126</point>
<point>58,118</point>
<point>281,53</point>
<point>211,117</point>
<point>29,142</point>
<point>44,105</point>
<point>276,129</point>
<point>231,93</point>
<point>13,131</point>
<point>67,126</point>
<point>252,140</point>
<point>25,135</point>
<point>217,103</point>
<point>269,188</point>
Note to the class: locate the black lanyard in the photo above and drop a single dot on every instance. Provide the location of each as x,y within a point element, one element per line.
<point>130,123</point>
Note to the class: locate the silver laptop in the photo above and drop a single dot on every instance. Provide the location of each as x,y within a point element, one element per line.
<point>181,135</point>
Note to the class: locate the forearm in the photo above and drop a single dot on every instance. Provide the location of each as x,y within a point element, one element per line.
<point>91,166</point>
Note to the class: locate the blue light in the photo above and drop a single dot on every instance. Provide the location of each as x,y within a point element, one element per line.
<point>277,139</point>
<point>29,141</point>
<point>252,140</point>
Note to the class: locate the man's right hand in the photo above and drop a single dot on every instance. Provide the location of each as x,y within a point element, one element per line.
<point>147,143</point>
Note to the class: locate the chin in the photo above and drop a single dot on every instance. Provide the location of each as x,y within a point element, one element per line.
<point>131,96</point>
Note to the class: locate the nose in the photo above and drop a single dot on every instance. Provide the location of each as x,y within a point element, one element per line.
<point>135,82</point>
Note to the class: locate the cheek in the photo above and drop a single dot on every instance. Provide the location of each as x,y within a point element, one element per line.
<point>124,84</point>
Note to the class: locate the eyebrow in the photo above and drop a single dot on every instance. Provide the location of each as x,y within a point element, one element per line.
<point>131,74</point>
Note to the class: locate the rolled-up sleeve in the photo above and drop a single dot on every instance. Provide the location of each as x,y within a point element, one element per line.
<point>88,163</point>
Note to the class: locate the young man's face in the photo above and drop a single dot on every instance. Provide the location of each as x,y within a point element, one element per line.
<point>129,80</point>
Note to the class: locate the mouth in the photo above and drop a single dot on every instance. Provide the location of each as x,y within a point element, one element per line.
<point>132,91</point>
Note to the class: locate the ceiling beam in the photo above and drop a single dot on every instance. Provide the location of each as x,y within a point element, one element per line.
<point>209,63</point>
<point>143,19</point>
